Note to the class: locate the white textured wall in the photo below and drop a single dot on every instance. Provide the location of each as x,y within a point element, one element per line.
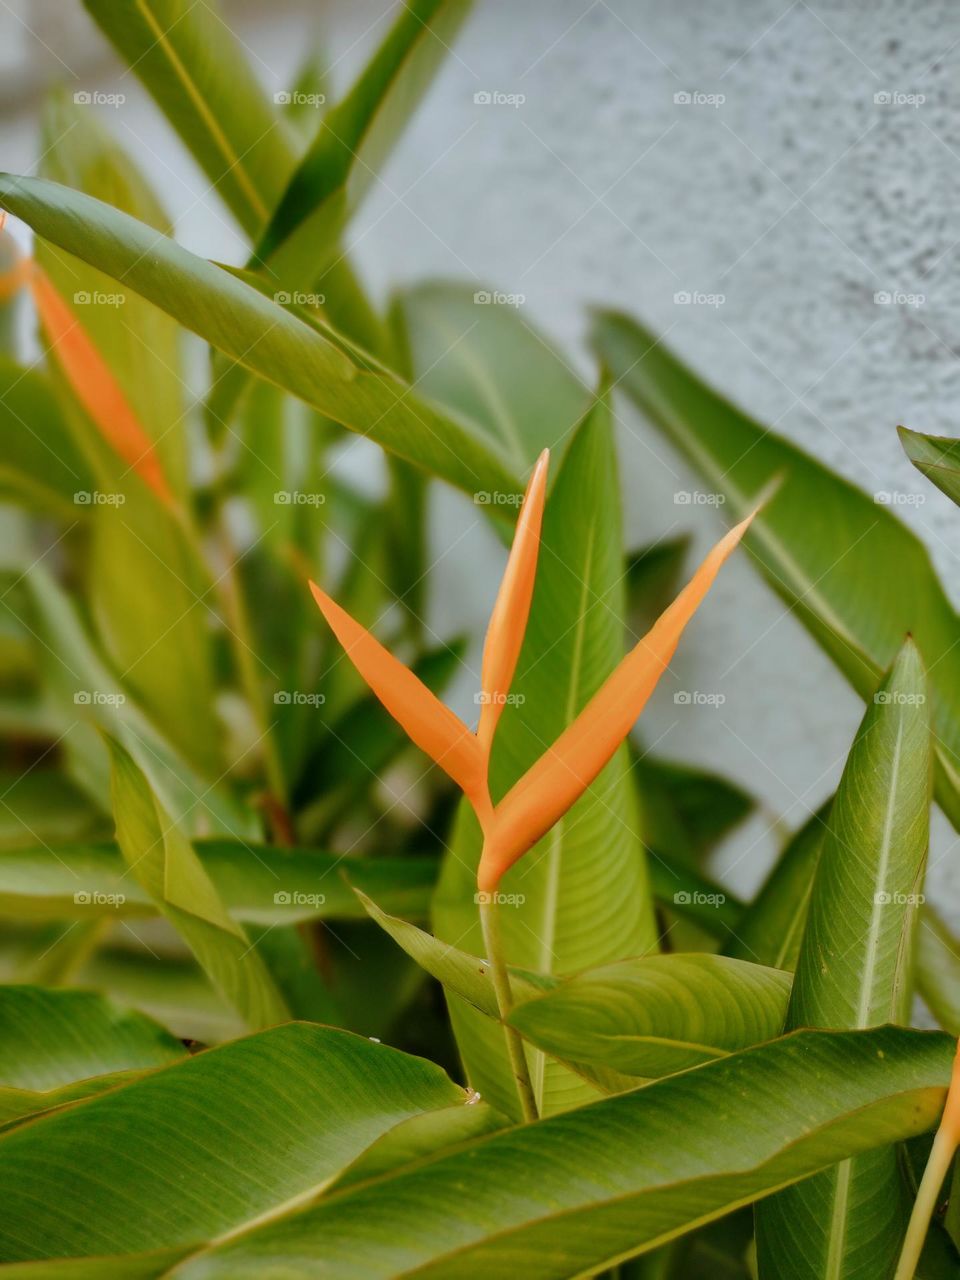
<point>798,198</point>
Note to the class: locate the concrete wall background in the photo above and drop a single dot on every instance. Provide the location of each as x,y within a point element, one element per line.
<point>798,198</point>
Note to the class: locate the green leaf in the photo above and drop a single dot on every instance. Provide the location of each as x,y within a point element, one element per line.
<point>468,979</point>
<point>164,863</point>
<point>215,103</point>
<point>578,1192</point>
<point>770,931</point>
<point>686,811</point>
<point>657,1014</point>
<point>89,694</point>
<point>44,805</point>
<point>260,884</point>
<point>353,141</point>
<point>938,970</point>
<point>265,337</point>
<point>854,971</point>
<point>137,340</point>
<point>50,1038</point>
<point>856,577</point>
<point>147,584</point>
<point>936,457</point>
<point>693,896</point>
<point>465,975</point>
<point>41,465</point>
<point>654,578</point>
<point>484,361</point>
<point>583,894</point>
<point>258,1125</point>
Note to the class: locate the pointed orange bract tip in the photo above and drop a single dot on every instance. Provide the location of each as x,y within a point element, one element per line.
<point>508,621</point>
<point>431,725</point>
<point>95,386</point>
<point>562,774</point>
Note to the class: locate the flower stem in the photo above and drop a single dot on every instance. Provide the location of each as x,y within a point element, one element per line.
<point>941,1153</point>
<point>493,944</point>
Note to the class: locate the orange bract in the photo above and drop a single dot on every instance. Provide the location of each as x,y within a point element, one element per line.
<point>562,774</point>
<point>95,386</point>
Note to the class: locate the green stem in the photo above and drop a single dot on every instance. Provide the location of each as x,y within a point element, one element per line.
<point>493,944</point>
<point>941,1153</point>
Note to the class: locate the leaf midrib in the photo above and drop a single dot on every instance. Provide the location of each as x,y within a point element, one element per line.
<point>234,163</point>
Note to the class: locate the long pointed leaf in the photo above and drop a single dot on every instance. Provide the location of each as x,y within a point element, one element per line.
<point>856,576</point>
<point>582,896</point>
<point>161,858</point>
<point>582,1191</point>
<point>215,103</point>
<point>260,334</point>
<point>854,971</point>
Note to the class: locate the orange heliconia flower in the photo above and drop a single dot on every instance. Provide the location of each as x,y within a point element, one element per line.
<point>565,770</point>
<point>94,385</point>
